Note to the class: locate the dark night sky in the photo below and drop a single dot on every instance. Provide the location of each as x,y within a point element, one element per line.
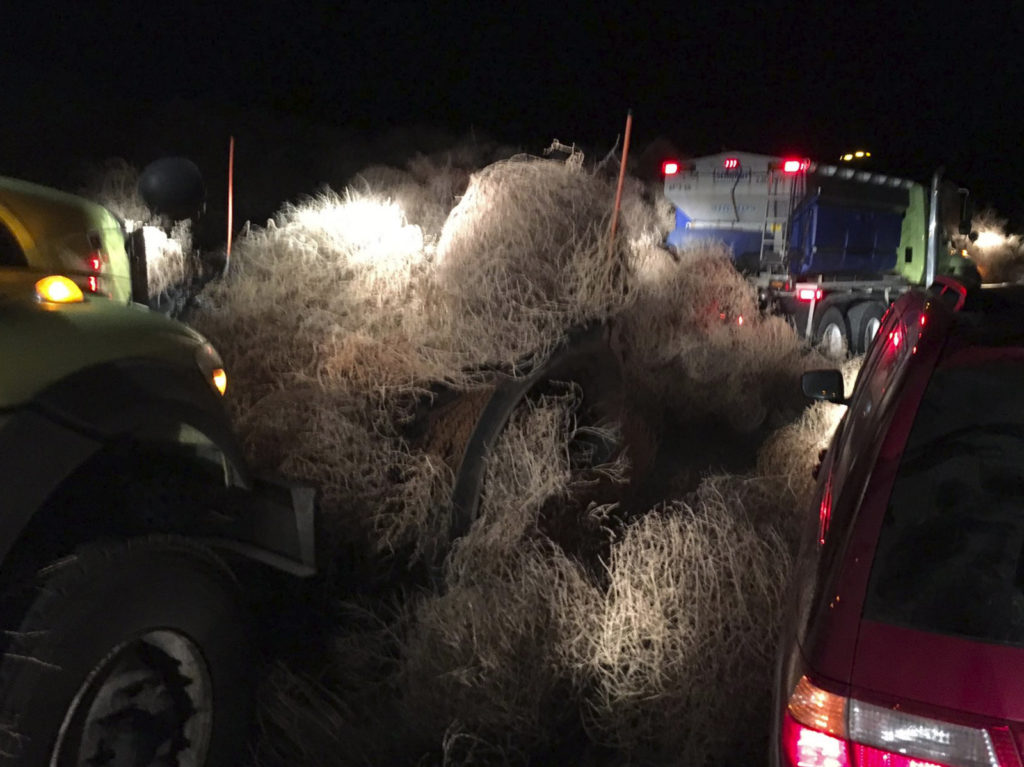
<point>916,84</point>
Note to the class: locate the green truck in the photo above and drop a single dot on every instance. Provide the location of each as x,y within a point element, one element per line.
<point>129,521</point>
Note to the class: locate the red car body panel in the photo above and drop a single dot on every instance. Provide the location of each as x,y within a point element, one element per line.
<point>832,637</point>
<point>943,671</point>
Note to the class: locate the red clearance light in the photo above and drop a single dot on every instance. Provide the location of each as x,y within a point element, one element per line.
<point>731,163</point>
<point>670,167</point>
<point>808,294</point>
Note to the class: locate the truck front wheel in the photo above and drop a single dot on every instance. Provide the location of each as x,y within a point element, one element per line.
<point>128,653</point>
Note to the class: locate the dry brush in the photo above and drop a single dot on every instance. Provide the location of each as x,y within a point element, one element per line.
<point>652,643</point>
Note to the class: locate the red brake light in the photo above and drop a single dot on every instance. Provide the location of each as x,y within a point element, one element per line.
<point>808,294</point>
<point>795,166</point>
<point>731,163</point>
<point>92,283</point>
<point>95,262</point>
<point>805,747</point>
<point>670,167</point>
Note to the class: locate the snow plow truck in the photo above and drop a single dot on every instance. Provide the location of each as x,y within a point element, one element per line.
<point>828,247</point>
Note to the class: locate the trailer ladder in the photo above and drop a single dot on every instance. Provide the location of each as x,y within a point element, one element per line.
<point>784,189</point>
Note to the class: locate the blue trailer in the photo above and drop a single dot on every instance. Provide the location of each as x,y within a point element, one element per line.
<point>829,247</point>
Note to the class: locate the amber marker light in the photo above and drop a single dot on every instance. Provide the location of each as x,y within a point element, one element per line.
<point>220,380</point>
<point>58,290</point>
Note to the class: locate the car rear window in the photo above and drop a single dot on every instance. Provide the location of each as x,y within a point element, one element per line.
<point>949,556</point>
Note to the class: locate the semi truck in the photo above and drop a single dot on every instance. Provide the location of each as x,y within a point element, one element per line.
<point>829,247</point>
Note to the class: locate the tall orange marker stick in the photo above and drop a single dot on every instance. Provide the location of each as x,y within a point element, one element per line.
<point>231,199</point>
<point>622,178</point>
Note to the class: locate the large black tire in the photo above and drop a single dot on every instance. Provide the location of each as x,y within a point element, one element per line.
<point>832,334</point>
<point>865,324</point>
<point>130,654</point>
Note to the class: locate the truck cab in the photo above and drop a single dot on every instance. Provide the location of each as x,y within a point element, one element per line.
<point>46,231</point>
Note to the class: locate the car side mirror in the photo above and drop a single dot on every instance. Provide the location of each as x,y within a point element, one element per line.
<point>173,187</point>
<point>824,385</point>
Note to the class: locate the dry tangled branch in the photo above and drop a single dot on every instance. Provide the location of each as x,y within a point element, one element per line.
<point>672,662</point>
<point>330,330</point>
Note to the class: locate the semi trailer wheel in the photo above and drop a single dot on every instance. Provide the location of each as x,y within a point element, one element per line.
<point>833,334</point>
<point>868,321</point>
<point>128,654</point>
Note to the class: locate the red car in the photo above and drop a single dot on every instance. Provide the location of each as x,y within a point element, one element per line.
<point>904,641</point>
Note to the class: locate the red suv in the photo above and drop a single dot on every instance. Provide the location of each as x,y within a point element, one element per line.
<point>904,642</point>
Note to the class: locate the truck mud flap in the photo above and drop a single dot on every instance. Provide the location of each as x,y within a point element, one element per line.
<point>276,527</point>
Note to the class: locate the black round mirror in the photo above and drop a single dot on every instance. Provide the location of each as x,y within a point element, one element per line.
<point>172,186</point>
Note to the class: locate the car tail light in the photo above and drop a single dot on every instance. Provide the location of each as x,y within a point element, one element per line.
<point>669,168</point>
<point>822,729</point>
<point>806,747</point>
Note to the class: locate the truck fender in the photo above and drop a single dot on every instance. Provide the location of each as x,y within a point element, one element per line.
<point>156,403</point>
<point>36,455</point>
<point>150,400</point>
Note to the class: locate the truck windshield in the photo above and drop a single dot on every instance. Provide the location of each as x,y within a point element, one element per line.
<point>949,556</point>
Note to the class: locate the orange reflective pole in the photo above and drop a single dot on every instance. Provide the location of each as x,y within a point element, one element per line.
<point>231,199</point>
<point>622,178</point>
